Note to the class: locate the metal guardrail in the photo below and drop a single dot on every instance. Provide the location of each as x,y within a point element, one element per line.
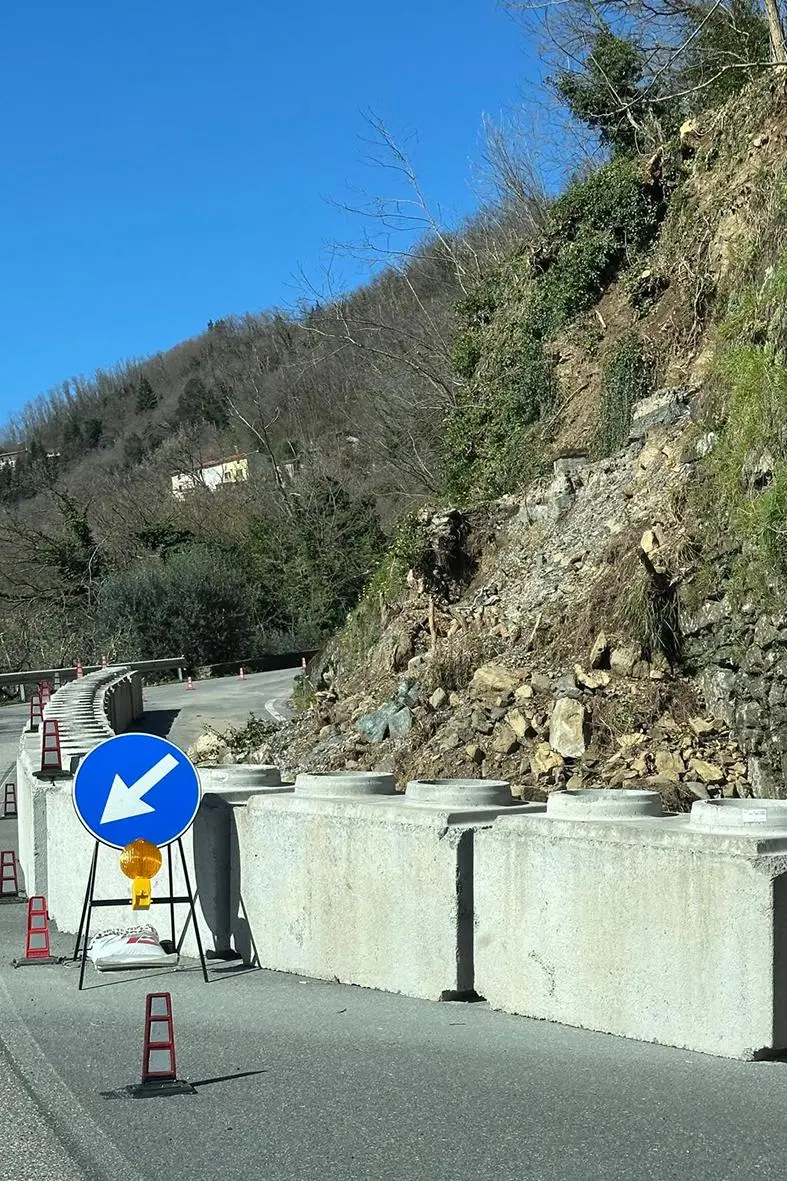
<point>33,676</point>
<point>269,662</point>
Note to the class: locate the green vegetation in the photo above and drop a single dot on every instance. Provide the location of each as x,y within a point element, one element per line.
<point>627,377</point>
<point>406,551</point>
<point>649,613</point>
<point>303,695</point>
<point>745,486</point>
<point>613,64</point>
<point>196,602</point>
<point>502,349</point>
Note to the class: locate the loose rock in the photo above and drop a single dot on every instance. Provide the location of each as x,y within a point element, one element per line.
<point>623,660</point>
<point>567,728</point>
<point>707,772</point>
<point>493,678</point>
<point>504,741</point>
<point>544,760</point>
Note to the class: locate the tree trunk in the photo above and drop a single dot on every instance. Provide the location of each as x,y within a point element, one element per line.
<point>776,30</point>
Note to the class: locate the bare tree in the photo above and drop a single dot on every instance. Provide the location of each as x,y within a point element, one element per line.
<point>635,62</point>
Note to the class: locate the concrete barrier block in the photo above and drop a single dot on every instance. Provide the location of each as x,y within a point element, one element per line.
<point>31,812</point>
<point>344,880</point>
<point>671,930</point>
<point>211,847</point>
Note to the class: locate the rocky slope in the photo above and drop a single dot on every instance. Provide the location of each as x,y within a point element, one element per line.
<point>517,673</point>
<point>588,630</point>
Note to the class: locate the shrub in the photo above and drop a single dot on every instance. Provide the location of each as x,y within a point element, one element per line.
<point>613,64</point>
<point>627,377</point>
<point>491,445</point>
<point>743,492</point>
<point>313,561</point>
<point>196,601</point>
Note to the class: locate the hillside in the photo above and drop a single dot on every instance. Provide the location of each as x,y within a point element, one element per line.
<point>526,490</point>
<point>618,617</point>
<point>341,405</point>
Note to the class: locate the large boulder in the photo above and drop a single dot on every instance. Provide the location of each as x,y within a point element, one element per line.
<point>209,749</point>
<point>374,726</point>
<point>567,728</point>
<point>494,678</point>
<point>400,723</point>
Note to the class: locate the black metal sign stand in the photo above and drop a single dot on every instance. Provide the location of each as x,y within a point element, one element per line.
<point>91,903</point>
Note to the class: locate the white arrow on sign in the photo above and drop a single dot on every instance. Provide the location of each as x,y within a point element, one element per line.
<point>125,800</point>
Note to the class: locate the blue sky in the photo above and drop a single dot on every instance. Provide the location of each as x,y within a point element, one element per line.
<point>165,163</point>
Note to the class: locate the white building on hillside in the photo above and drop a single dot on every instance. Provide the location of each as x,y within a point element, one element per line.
<point>232,469</point>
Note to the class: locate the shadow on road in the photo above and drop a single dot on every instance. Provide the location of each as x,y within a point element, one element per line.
<point>156,721</point>
<point>226,1078</point>
<point>132,975</point>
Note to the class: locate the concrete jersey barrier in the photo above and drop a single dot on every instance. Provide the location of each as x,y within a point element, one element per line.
<point>345,879</point>
<point>670,929</point>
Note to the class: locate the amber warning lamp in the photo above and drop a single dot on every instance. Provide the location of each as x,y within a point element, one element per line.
<point>140,861</point>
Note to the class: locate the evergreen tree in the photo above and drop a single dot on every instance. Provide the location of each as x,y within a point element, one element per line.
<point>147,398</point>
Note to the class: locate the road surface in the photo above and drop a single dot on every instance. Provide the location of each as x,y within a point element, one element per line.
<point>299,1080</point>
<point>305,1081</point>
<point>12,720</point>
<point>181,714</point>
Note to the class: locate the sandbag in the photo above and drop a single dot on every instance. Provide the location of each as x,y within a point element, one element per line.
<point>135,947</point>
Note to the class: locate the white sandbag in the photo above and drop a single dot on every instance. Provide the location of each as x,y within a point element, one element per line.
<point>137,947</point>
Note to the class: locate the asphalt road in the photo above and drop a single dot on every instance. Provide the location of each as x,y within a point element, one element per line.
<point>305,1081</point>
<point>12,720</point>
<point>301,1080</point>
<point>181,714</point>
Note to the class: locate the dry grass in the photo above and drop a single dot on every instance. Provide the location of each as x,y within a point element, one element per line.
<point>456,659</point>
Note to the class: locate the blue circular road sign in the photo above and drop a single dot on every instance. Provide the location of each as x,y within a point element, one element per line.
<point>136,786</point>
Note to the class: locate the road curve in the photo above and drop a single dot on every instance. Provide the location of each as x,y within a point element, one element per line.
<point>181,714</point>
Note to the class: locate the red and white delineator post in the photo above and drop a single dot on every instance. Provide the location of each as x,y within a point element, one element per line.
<point>51,756</point>
<point>36,711</point>
<point>9,805</point>
<point>37,941</point>
<point>9,877</point>
<point>159,1070</point>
